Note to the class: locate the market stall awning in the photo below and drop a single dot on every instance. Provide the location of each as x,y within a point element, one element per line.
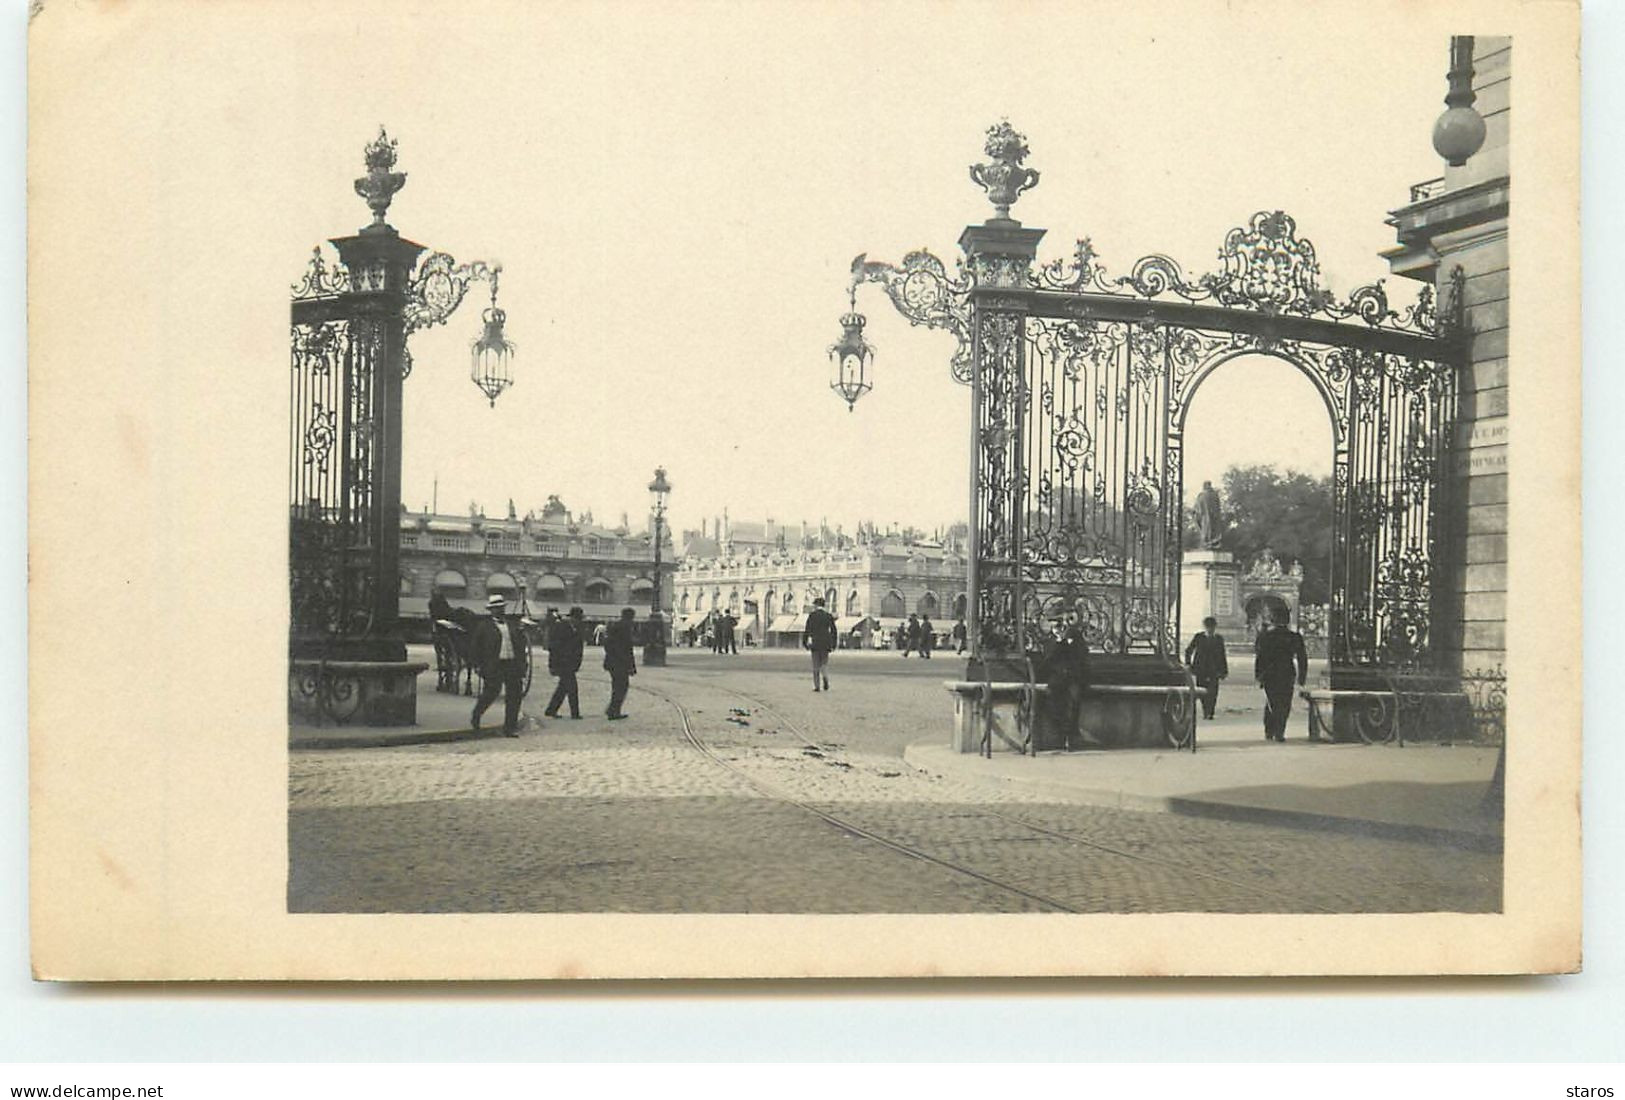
<point>789,624</point>
<point>848,623</point>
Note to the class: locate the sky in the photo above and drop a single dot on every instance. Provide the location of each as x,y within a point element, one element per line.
<point>677,203</point>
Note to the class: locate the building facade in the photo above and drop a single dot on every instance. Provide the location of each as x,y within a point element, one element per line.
<point>546,559</point>
<point>1455,227</point>
<point>870,588</point>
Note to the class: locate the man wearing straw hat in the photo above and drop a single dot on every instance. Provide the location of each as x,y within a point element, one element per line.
<point>498,653</point>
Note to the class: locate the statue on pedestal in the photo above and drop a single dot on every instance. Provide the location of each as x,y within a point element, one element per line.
<point>1209,521</point>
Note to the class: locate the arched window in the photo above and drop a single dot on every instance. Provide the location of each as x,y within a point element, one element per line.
<point>789,603</point>
<point>501,584</point>
<point>642,586</point>
<point>852,604</point>
<point>682,604</point>
<point>699,600</point>
<point>892,605</point>
<point>549,586</point>
<point>406,584</point>
<point>927,604</point>
<point>832,599</point>
<point>449,582</point>
<point>599,590</point>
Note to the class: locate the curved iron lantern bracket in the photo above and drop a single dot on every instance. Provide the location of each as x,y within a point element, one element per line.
<point>439,286</point>
<point>923,292</point>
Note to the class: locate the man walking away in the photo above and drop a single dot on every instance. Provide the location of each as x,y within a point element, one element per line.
<point>911,637</point>
<point>618,661</point>
<point>499,655</point>
<point>960,635</point>
<point>729,625</point>
<point>1205,656</point>
<point>1280,653</point>
<point>564,647</point>
<point>928,637</point>
<point>820,637</point>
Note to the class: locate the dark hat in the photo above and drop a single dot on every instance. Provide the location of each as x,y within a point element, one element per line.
<point>575,613</point>
<point>819,602</point>
<point>628,613</point>
<point>1210,621</point>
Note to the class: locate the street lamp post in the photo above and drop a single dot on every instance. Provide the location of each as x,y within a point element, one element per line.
<point>654,648</point>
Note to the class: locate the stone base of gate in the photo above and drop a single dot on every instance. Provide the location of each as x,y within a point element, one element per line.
<point>1373,706</point>
<point>1132,703</point>
<point>1381,716</point>
<point>353,693</point>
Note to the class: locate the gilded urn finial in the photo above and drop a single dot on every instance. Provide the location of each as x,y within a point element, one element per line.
<point>1004,179</point>
<point>379,185</point>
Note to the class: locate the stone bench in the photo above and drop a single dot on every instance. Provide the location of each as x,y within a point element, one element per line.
<point>977,721</point>
<point>1379,715</point>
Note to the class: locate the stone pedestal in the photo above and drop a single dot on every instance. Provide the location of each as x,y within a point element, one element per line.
<point>1210,585</point>
<point>1134,702</point>
<point>353,693</point>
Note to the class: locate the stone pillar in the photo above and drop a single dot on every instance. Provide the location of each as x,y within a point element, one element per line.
<point>1460,223</point>
<point>1209,585</point>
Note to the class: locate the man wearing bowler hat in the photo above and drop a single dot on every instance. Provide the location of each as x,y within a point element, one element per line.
<point>498,652</point>
<point>564,646</point>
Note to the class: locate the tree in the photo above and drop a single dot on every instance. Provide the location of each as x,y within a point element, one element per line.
<point>1289,513</point>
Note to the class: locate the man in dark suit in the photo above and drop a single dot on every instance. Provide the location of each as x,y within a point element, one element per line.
<point>618,662</point>
<point>730,623</point>
<point>1065,668</point>
<point>1205,656</point>
<point>821,636</point>
<point>928,637</point>
<point>498,652</point>
<point>564,646</point>
<point>1280,654</point>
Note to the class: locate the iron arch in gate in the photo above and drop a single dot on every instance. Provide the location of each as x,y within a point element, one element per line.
<point>1080,385</point>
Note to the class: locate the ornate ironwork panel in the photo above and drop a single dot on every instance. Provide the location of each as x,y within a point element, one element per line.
<point>1095,534</point>
<point>1081,386</point>
<point>332,515</point>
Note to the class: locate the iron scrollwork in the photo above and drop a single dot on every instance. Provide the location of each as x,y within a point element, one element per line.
<point>320,280</point>
<point>439,286</point>
<point>923,292</point>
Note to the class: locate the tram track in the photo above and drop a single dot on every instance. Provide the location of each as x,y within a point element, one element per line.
<point>1297,903</point>
<point>846,825</point>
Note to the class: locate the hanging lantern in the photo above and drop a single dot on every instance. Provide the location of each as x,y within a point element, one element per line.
<point>491,355</point>
<point>852,357</point>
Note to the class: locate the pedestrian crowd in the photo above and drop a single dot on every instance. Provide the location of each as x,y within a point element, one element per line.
<point>1057,649</point>
<point>497,652</point>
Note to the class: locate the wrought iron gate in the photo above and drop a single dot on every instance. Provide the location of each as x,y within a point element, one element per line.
<point>1081,384</point>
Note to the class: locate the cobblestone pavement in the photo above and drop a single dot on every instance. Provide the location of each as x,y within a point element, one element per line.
<point>593,816</point>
